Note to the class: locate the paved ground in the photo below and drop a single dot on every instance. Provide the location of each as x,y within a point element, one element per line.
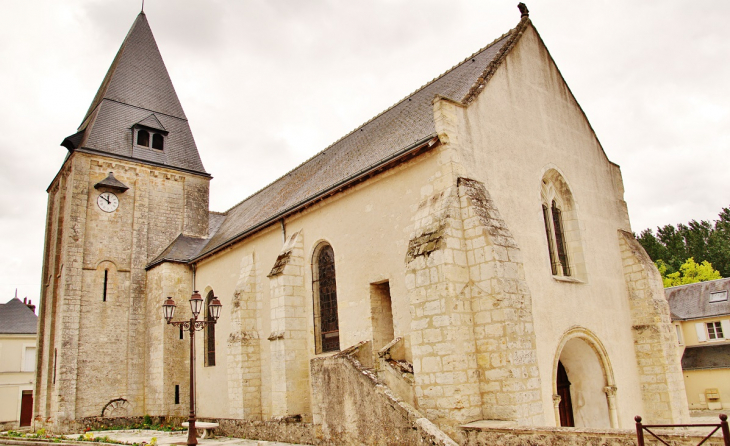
<point>706,416</point>
<point>168,438</point>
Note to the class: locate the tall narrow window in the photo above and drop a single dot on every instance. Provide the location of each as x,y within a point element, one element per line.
<point>325,290</point>
<point>546,218</point>
<point>562,228</point>
<point>106,280</point>
<point>55,359</point>
<point>143,138</point>
<point>181,333</point>
<point>209,333</point>
<point>177,393</point>
<point>560,239</point>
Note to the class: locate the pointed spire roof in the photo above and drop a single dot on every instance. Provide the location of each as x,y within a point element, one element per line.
<point>137,89</point>
<point>138,75</point>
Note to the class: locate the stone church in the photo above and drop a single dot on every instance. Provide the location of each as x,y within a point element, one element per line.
<point>463,257</point>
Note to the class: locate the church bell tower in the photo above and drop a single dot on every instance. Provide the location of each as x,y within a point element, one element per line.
<point>132,182</point>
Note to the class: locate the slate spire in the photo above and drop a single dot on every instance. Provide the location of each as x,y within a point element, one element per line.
<point>137,87</point>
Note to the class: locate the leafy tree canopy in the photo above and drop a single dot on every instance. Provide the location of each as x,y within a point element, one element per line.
<point>701,241</point>
<point>689,272</point>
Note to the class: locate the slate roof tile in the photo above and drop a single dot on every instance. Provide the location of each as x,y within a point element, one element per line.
<point>693,301</point>
<point>405,123</point>
<point>137,89</point>
<point>706,357</point>
<point>17,318</point>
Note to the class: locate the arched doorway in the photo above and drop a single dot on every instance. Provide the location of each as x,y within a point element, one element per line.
<point>583,385</point>
<point>565,405</point>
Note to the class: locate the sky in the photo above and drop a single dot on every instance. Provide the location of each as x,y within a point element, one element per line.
<point>267,84</point>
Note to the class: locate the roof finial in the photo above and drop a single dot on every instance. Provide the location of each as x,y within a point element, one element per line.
<point>521,6</point>
<point>142,5</point>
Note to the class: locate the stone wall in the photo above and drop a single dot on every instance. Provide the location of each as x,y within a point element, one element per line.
<point>81,327</point>
<point>288,338</point>
<point>244,346</point>
<point>352,407</point>
<point>563,436</point>
<point>472,334</point>
<point>660,371</point>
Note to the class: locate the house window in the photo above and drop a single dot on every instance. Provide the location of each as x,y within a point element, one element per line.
<point>718,296</point>
<point>143,138</point>
<point>326,323</point>
<point>29,359</point>
<point>209,333</point>
<point>679,334</point>
<point>714,331</point>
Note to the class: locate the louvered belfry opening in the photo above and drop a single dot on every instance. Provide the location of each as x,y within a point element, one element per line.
<point>327,287</point>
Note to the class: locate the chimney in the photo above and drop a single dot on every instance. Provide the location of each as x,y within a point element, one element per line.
<point>29,304</point>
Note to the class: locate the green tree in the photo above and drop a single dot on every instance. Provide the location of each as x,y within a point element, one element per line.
<point>689,272</point>
<point>700,240</point>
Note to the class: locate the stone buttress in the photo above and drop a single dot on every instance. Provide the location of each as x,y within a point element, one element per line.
<point>660,371</point>
<point>244,348</point>
<point>288,339</point>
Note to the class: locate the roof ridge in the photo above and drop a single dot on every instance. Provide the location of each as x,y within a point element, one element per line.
<point>492,66</point>
<point>470,57</point>
<point>695,283</point>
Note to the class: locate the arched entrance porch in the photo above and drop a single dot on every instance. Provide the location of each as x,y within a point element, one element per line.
<point>584,390</point>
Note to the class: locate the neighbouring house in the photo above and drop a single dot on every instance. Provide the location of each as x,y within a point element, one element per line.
<point>701,316</point>
<point>18,327</point>
<point>465,256</point>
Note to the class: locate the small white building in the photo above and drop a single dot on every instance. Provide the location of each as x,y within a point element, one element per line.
<point>18,328</point>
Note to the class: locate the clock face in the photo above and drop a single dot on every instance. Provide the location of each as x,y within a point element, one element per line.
<point>108,202</point>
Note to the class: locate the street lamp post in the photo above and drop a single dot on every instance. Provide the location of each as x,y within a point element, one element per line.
<point>192,325</point>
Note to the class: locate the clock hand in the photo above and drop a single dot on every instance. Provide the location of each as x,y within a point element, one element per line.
<point>105,199</point>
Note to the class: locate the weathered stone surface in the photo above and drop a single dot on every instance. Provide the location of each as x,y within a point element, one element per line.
<point>352,407</point>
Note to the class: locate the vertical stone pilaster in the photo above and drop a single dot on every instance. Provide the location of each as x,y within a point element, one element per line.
<point>660,372</point>
<point>244,355</point>
<point>70,284</point>
<point>288,338</point>
<point>136,350</point>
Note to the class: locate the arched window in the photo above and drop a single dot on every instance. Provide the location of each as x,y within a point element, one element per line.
<point>158,141</point>
<point>326,323</point>
<point>143,138</point>
<point>209,333</point>
<point>562,228</point>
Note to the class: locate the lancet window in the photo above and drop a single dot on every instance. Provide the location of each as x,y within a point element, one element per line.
<point>326,322</point>
<point>561,227</point>
<point>209,333</point>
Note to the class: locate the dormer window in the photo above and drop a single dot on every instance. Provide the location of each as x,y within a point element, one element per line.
<point>718,296</point>
<point>143,138</point>
<point>158,141</point>
<point>149,133</point>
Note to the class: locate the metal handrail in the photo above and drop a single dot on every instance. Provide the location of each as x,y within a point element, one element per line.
<point>723,426</point>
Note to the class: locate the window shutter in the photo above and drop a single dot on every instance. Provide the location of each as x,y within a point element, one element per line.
<point>701,332</point>
<point>725,324</point>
